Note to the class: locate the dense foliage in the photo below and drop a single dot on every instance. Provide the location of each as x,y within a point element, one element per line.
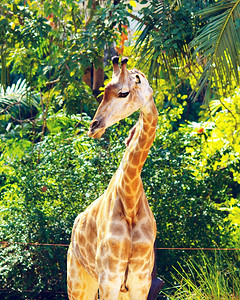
<point>42,193</point>
<point>50,170</point>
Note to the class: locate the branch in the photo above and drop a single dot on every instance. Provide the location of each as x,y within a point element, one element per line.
<point>141,21</point>
<point>22,121</point>
<point>52,82</point>
<point>10,105</point>
<point>5,12</point>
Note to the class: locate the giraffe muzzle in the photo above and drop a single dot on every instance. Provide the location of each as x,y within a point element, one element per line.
<point>96,130</point>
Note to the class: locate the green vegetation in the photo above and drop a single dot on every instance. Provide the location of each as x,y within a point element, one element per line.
<point>208,279</point>
<point>55,56</point>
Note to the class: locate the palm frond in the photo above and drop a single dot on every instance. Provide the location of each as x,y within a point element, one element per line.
<point>219,44</point>
<point>17,94</point>
<point>151,42</point>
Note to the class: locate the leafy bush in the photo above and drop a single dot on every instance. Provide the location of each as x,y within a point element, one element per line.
<point>50,182</point>
<point>43,189</point>
<point>185,206</point>
<point>50,170</point>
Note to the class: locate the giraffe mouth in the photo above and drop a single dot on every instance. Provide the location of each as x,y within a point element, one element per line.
<point>96,133</point>
<point>96,129</point>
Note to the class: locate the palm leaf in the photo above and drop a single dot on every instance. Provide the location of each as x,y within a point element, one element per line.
<point>219,44</point>
<point>150,42</point>
<point>17,94</point>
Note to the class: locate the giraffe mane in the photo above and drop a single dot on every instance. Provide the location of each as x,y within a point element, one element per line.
<point>130,136</point>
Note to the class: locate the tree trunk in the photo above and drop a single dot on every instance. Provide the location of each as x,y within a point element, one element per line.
<point>3,69</point>
<point>87,77</point>
<point>98,79</point>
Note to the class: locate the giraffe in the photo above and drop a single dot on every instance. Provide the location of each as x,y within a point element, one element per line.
<point>112,242</point>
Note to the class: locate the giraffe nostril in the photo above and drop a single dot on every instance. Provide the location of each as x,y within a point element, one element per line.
<point>95,124</point>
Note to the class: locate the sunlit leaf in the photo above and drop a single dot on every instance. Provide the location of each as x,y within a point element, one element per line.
<point>219,44</point>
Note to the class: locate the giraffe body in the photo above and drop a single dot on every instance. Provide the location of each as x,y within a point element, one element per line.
<point>112,240</point>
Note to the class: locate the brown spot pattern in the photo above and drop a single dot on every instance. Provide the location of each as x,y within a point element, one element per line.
<point>90,253</point>
<point>136,158</point>
<point>147,230</point>
<point>131,172</point>
<point>116,229</point>
<point>136,236</point>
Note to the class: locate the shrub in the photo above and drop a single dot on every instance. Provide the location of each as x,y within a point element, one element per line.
<point>184,205</point>
<point>51,182</point>
<point>42,191</point>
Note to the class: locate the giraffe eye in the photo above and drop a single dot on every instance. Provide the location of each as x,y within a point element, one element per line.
<point>123,95</point>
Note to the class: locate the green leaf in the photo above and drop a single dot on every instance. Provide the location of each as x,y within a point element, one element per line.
<point>219,44</point>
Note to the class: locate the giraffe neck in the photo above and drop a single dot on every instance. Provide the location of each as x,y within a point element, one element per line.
<point>141,139</point>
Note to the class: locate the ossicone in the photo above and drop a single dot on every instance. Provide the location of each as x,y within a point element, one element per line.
<point>116,69</point>
<point>124,61</point>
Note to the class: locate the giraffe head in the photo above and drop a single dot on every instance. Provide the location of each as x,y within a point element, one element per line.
<point>127,92</point>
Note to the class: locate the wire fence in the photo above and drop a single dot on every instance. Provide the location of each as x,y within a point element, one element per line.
<point>7,243</point>
<point>157,248</point>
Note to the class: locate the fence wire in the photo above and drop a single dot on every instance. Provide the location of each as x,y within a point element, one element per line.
<point>6,243</point>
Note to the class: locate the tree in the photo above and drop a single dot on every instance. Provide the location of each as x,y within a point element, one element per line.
<point>204,43</point>
<point>218,47</point>
<point>167,29</point>
<point>53,43</point>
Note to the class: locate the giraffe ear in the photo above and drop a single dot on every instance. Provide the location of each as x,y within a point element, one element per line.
<point>138,79</point>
